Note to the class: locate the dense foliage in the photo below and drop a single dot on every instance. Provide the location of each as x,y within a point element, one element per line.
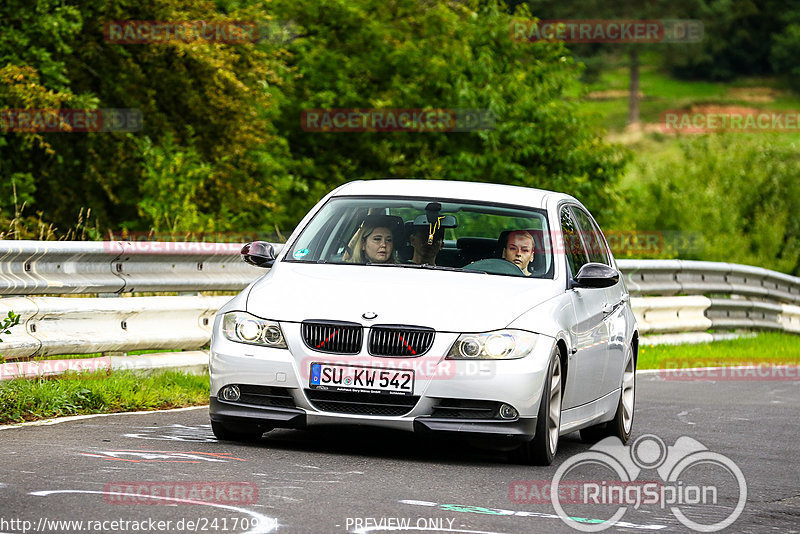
<point>736,197</point>
<point>222,148</point>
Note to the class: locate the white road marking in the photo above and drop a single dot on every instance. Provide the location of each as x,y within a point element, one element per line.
<point>682,417</point>
<point>55,421</point>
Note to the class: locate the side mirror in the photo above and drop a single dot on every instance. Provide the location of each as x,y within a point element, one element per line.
<point>596,275</point>
<point>259,253</point>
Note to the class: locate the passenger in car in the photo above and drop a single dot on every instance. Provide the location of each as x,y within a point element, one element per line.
<point>519,250</point>
<point>425,253</point>
<point>374,241</point>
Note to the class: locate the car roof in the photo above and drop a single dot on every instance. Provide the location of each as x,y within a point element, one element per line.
<point>449,189</point>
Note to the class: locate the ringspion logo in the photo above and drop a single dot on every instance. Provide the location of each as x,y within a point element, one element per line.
<point>706,491</point>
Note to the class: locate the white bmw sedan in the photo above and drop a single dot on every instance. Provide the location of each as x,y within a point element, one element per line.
<point>470,309</point>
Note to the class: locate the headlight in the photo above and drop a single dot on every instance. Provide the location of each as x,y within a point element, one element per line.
<point>245,328</point>
<point>497,345</point>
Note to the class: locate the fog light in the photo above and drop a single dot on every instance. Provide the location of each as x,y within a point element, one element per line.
<point>508,412</point>
<point>231,393</point>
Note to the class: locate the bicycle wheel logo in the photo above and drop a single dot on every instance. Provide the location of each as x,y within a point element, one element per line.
<point>625,489</point>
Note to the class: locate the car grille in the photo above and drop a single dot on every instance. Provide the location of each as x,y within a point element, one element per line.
<point>361,403</point>
<point>466,409</point>
<point>409,341</point>
<point>266,396</point>
<point>333,337</point>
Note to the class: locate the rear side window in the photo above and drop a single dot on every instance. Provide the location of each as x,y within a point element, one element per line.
<point>573,247</point>
<point>592,238</point>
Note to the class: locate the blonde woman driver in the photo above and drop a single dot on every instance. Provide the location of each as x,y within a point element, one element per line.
<point>374,241</point>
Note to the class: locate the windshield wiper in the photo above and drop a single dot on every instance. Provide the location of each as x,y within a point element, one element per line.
<point>414,265</point>
<point>425,266</point>
<point>444,268</point>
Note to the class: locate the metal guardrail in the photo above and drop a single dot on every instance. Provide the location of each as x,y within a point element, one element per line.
<point>674,277</point>
<point>57,325</point>
<point>739,297</point>
<point>719,296</point>
<point>80,267</point>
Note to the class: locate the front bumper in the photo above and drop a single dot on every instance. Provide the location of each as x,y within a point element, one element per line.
<point>517,383</point>
<point>234,414</point>
<point>520,429</point>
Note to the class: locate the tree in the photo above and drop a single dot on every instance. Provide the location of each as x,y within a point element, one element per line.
<point>222,148</point>
<point>203,104</point>
<point>740,36</point>
<point>621,10</point>
<point>415,54</point>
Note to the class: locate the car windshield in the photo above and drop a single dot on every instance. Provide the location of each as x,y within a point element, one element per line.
<point>428,233</point>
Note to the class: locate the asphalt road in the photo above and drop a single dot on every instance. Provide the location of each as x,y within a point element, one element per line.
<point>97,470</point>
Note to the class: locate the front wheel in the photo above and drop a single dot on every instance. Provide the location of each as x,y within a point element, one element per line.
<point>542,449</point>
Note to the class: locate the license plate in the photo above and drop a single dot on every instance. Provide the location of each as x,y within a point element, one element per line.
<point>357,378</point>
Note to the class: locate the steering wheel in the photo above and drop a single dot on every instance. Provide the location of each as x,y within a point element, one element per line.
<point>494,266</point>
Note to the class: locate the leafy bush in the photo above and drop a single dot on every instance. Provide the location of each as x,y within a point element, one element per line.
<point>222,148</point>
<point>739,193</point>
<point>12,319</point>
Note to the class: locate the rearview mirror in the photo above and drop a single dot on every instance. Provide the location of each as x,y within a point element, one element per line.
<point>596,275</point>
<point>444,221</point>
<point>259,253</point>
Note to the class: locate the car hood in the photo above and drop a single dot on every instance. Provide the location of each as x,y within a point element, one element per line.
<point>444,300</point>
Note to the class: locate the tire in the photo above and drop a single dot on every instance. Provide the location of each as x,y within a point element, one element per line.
<point>542,449</point>
<point>622,424</point>
<point>237,433</point>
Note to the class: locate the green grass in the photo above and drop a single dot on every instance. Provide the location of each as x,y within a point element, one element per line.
<point>775,348</point>
<point>661,93</point>
<point>125,391</point>
<point>87,393</point>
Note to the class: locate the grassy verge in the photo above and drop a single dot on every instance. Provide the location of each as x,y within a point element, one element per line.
<point>86,393</point>
<point>124,391</point>
<point>773,348</point>
<point>607,101</point>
